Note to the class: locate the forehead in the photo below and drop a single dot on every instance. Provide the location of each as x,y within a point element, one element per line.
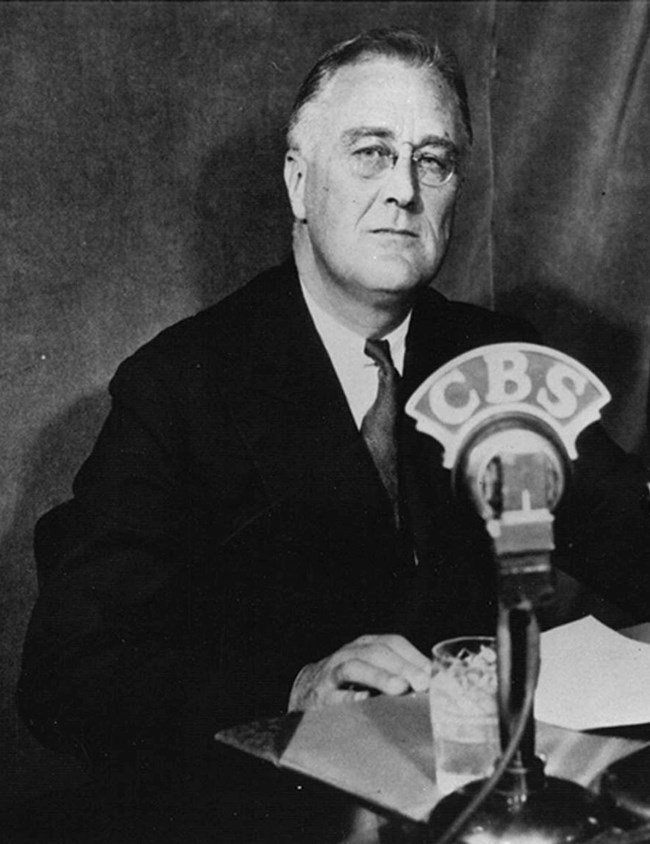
<point>404,100</point>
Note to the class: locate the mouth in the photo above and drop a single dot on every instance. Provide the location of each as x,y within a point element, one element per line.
<point>395,232</point>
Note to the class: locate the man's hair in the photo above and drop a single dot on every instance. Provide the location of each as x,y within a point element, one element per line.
<point>402,44</point>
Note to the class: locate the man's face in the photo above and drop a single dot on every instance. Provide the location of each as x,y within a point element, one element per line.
<point>381,237</point>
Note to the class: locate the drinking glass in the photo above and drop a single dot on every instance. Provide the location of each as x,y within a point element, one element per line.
<point>464,710</point>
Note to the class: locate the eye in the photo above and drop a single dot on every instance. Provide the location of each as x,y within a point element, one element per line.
<point>434,163</point>
<point>435,168</point>
<point>373,152</point>
<point>371,160</point>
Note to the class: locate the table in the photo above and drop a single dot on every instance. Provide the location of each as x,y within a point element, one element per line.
<point>379,751</point>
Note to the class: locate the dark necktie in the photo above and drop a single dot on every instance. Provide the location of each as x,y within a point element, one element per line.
<point>379,425</point>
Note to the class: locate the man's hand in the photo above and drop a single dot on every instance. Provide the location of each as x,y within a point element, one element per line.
<point>388,664</point>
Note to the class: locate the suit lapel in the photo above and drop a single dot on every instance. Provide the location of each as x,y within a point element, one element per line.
<point>289,405</point>
<point>431,340</point>
<point>425,484</point>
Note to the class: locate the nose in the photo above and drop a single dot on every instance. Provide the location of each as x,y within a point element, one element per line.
<point>401,185</point>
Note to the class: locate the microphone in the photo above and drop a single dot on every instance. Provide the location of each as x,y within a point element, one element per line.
<point>508,416</point>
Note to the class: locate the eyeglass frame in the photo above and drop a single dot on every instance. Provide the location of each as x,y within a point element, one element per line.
<point>391,157</point>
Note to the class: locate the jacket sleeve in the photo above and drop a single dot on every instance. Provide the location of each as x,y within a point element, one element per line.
<point>105,653</point>
<point>602,530</point>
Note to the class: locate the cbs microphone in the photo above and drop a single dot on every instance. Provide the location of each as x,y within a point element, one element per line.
<point>508,417</point>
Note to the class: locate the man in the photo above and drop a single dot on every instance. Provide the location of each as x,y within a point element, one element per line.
<point>235,547</point>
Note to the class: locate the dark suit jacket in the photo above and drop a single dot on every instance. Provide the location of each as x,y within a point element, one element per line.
<point>230,527</point>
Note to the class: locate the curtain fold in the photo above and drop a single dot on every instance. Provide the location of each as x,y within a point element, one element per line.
<point>570,107</point>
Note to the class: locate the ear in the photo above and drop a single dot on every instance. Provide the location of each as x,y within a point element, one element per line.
<point>295,171</point>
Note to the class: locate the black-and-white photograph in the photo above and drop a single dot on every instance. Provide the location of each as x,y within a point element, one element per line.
<point>324,422</point>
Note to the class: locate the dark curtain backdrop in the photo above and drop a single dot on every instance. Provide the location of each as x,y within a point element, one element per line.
<point>141,151</point>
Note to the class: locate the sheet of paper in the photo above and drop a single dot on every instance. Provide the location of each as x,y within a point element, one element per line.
<point>592,677</point>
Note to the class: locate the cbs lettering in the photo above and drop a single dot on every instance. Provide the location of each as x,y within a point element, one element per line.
<point>509,378</point>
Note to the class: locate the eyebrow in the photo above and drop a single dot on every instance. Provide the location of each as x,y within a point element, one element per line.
<point>350,136</point>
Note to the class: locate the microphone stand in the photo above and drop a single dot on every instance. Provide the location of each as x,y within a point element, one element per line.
<point>515,490</point>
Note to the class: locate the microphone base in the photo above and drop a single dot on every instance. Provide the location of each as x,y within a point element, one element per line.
<point>559,812</point>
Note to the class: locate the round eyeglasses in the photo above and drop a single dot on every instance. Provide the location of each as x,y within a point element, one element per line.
<point>432,169</point>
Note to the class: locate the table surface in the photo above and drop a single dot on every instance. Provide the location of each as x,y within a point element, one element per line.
<point>379,750</point>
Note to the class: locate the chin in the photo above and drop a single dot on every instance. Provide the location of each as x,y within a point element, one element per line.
<point>394,275</point>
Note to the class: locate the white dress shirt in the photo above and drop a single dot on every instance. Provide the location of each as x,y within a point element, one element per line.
<point>357,373</point>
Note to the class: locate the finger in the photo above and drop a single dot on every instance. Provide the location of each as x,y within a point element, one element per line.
<point>360,694</point>
<point>363,673</point>
<point>407,651</point>
<point>379,653</point>
<point>337,696</point>
<point>398,644</point>
<point>417,667</point>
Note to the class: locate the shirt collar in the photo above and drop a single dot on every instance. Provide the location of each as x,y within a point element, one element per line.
<point>345,346</point>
